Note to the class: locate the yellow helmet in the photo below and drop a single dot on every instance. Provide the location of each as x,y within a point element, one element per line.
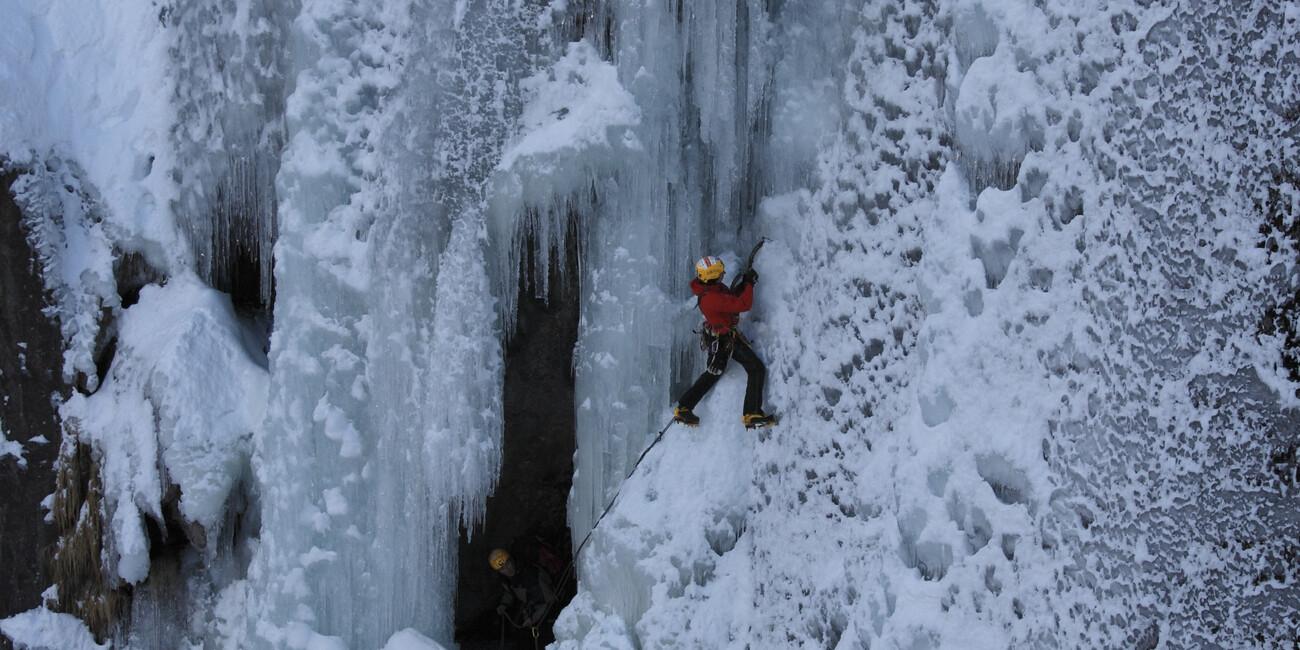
<point>709,268</point>
<point>498,558</point>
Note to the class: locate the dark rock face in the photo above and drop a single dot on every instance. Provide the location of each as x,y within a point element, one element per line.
<point>31,351</point>
<point>537,467</point>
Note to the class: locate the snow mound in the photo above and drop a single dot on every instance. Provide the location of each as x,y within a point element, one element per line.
<point>578,103</point>
<point>42,629</point>
<point>11,448</point>
<point>187,386</point>
<point>999,111</point>
<point>409,639</point>
<point>577,118</point>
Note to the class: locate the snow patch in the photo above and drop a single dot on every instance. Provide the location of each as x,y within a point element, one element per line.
<point>409,639</point>
<point>577,104</point>
<point>11,448</point>
<point>155,406</point>
<point>999,111</point>
<point>42,629</point>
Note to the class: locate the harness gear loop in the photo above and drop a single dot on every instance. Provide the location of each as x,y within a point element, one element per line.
<point>718,346</point>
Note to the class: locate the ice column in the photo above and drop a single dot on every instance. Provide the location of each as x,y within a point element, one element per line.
<point>385,430</point>
<point>316,460</point>
<point>229,87</point>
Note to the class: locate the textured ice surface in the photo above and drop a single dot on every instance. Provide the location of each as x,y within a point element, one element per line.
<point>1009,308</point>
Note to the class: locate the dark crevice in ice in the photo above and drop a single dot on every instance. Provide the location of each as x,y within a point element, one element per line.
<point>31,359</point>
<point>537,464</point>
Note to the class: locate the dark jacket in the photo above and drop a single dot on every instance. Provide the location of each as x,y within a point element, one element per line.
<point>527,594</point>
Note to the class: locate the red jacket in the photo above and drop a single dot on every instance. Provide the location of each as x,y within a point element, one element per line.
<point>720,307</point>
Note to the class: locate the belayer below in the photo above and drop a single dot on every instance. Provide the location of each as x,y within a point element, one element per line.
<point>527,591</point>
<point>722,306</point>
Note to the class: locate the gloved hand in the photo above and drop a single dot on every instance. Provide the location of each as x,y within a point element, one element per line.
<point>751,276</point>
<point>501,610</point>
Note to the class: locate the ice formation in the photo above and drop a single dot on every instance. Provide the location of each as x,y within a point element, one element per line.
<point>157,422</point>
<point>1024,311</point>
<point>1006,309</point>
<point>41,628</point>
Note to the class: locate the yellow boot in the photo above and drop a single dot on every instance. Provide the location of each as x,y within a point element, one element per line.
<point>686,416</point>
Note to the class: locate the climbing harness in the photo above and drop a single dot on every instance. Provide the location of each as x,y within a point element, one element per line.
<point>718,346</point>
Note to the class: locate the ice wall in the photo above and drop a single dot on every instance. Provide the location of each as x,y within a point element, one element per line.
<point>985,329</point>
<point>89,128</point>
<point>1001,232</point>
<point>384,428</point>
<point>1180,413</point>
<point>358,142</point>
<point>650,142</point>
<point>229,92</point>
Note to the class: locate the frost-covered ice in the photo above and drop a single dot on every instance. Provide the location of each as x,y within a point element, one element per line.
<point>1013,308</point>
<point>964,384</point>
<point>186,391</point>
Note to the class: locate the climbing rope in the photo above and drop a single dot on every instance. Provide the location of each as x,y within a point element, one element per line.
<point>568,571</point>
<point>533,628</point>
<point>536,634</point>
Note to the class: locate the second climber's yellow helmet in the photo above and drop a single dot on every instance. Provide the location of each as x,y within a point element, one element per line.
<point>498,558</point>
<point>709,268</point>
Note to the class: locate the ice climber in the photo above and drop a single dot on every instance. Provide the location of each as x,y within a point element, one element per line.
<point>722,306</point>
<point>527,590</point>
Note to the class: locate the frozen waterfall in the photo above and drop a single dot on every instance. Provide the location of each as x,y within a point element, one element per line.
<point>1027,309</point>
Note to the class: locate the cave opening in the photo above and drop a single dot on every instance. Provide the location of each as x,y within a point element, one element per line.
<point>237,257</point>
<point>528,509</point>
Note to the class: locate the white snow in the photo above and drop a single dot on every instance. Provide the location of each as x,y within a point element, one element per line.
<point>42,629</point>
<point>1010,309</point>
<point>578,104</point>
<point>935,481</point>
<point>185,393</point>
<point>11,448</point>
<point>999,114</point>
<point>410,639</point>
<point>88,83</point>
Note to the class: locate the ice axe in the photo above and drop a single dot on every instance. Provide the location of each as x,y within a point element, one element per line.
<point>735,282</point>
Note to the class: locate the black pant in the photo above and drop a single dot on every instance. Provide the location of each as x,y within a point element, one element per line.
<point>744,355</point>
